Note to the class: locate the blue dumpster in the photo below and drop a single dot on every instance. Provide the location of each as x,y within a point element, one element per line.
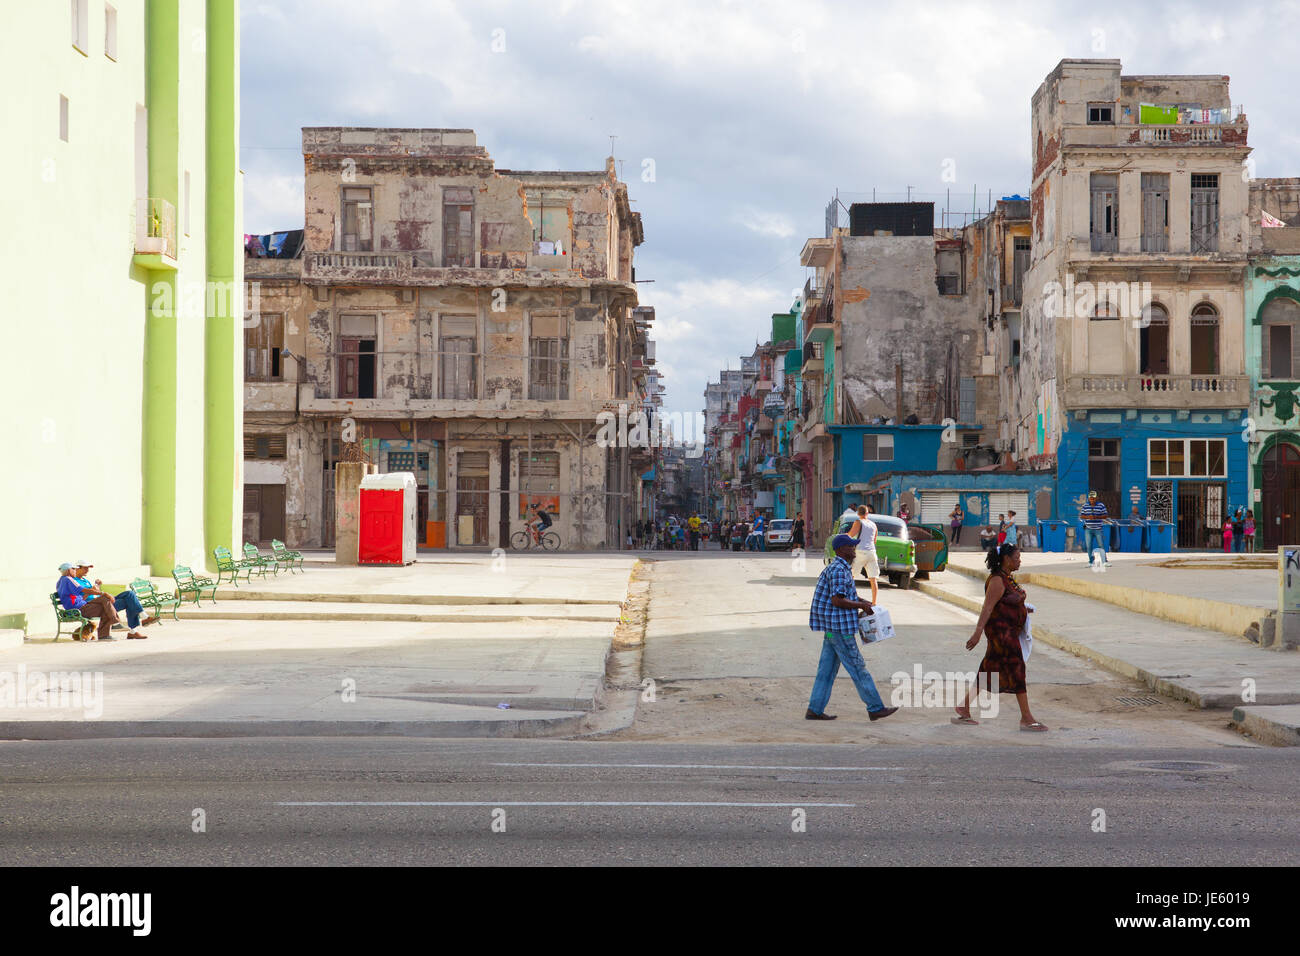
<point>1130,536</point>
<point>1051,535</point>
<point>1160,535</point>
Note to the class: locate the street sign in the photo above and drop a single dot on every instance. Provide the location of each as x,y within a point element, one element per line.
<point>1135,494</point>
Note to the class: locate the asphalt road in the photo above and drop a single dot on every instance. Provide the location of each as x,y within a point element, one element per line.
<point>372,801</point>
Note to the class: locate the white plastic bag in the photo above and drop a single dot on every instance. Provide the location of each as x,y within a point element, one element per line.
<point>874,627</point>
<point>1027,634</point>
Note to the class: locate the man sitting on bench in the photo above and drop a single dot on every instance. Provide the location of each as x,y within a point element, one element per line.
<point>126,601</point>
<point>89,602</point>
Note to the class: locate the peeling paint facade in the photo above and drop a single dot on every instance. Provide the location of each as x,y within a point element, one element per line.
<point>472,323</point>
<point>1130,339</point>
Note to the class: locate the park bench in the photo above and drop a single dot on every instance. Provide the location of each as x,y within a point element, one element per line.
<point>68,616</point>
<point>284,556</point>
<point>187,582</point>
<point>261,562</point>
<point>228,564</point>
<point>160,601</point>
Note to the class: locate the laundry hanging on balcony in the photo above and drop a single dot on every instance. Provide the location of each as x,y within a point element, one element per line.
<point>1157,115</point>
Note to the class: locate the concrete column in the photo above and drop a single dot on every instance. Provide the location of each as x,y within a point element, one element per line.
<point>347,511</point>
<point>162,97</point>
<point>223,370</point>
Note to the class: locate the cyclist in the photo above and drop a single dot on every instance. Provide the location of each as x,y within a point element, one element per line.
<point>540,524</point>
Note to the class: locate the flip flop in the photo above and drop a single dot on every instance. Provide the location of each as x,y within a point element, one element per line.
<point>959,719</point>
<point>1035,727</point>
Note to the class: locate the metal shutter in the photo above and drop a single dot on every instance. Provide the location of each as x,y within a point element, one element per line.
<point>1000,502</point>
<point>936,506</point>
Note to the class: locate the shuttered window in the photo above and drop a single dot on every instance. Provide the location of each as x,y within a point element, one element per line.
<point>1105,212</point>
<point>1155,212</point>
<point>936,506</point>
<point>1205,212</point>
<point>264,446</point>
<point>458,227</point>
<point>1002,502</point>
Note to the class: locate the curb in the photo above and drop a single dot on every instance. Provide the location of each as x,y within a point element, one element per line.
<point>1231,619</point>
<point>1279,732</point>
<point>1169,687</point>
<point>565,723</point>
<point>386,616</point>
<point>230,593</point>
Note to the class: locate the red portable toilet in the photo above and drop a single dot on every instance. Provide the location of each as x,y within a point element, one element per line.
<point>388,510</point>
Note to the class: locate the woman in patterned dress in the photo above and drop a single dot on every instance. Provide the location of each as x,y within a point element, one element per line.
<point>1001,620</point>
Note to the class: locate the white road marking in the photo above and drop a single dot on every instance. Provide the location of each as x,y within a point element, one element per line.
<point>688,766</point>
<point>542,803</point>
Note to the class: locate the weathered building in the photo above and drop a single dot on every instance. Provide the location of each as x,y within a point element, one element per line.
<point>1128,374</point>
<point>895,330</point>
<point>1272,311</point>
<point>472,325</point>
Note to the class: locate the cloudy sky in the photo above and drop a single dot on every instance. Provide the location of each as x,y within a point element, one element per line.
<point>735,121</point>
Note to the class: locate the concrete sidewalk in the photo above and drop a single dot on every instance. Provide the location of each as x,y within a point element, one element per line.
<point>1203,667</point>
<point>1222,593</point>
<point>427,650</point>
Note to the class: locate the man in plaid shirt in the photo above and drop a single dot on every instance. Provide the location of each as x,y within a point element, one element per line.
<point>834,611</point>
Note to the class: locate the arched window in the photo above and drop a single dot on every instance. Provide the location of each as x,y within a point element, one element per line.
<point>1280,328</point>
<point>1205,340</point>
<point>1154,340</point>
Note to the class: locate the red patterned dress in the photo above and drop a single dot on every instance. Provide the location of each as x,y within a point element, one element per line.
<point>1003,656</point>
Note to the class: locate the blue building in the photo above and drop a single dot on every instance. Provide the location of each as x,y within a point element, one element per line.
<point>1187,467</point>
<point>861,452</point>
<point>983,496</point>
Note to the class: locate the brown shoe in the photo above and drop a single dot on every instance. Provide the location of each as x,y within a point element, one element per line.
<point>809,715</point>
<point>136,636</point>
<point>151,620</point>
<point>882,713</point>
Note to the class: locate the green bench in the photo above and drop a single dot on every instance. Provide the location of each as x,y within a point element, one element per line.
<point>284,556</point>
<point>68,616</point>
<point>228,564</point>
<point>160,601</point>
<point>258,561</point>
<point>187,583</point>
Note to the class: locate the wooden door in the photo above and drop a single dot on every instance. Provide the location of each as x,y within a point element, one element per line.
<point>1280,497</point>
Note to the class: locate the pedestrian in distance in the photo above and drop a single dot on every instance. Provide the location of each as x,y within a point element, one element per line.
<point>834,612</point>
<point>957,517</point>
<point>1248,528</point>
<point>1238,530</point>
<point>1095,531</point>
<point>1012,530</point>
<point>796,536</point>
<point>1227,535</point>
<point>1001,620</point>
<point>864,531</point>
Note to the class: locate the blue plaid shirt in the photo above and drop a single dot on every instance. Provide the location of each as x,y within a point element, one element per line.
<point>836,578</point>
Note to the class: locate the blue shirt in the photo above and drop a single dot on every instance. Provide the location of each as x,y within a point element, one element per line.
<point>70,592</point>
<point>836,578</point>
<point>1092,515</point>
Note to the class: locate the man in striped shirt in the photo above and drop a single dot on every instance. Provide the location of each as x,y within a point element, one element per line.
<point>1094,527</point>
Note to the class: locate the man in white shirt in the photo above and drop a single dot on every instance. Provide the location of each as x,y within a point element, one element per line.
<point>865,530</point>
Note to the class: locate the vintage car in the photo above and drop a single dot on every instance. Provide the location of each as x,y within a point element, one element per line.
<point>895,550</point>
<point>931,547</point>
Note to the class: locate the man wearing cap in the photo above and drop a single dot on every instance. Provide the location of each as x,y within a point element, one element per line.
<point>91,602</point>
<point>126,601</point>
<point>834,611</point>
<point>1094,527</point>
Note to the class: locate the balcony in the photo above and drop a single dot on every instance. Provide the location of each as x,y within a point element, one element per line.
<point>817,324</point>
<point>817,253</point>
<point>1157,391</point>
<point>155,234</point>
<point>811,292</point>
<point>396,267</point>
<point>813,360</point>
<point>1220,127</point>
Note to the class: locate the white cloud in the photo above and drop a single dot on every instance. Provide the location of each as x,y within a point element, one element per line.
<point>765,223</point>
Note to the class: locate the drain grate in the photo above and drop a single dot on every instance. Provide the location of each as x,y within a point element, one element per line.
<point>1138,701</point>
<point>1180,766</point>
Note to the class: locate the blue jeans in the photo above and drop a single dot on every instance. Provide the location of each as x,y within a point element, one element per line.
<point>1095,538</point>
<point>840,649</point>
<point>1237,541</point>
<point>127,601</point>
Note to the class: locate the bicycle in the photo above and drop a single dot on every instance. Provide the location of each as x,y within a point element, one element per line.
<point>523,540</point>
